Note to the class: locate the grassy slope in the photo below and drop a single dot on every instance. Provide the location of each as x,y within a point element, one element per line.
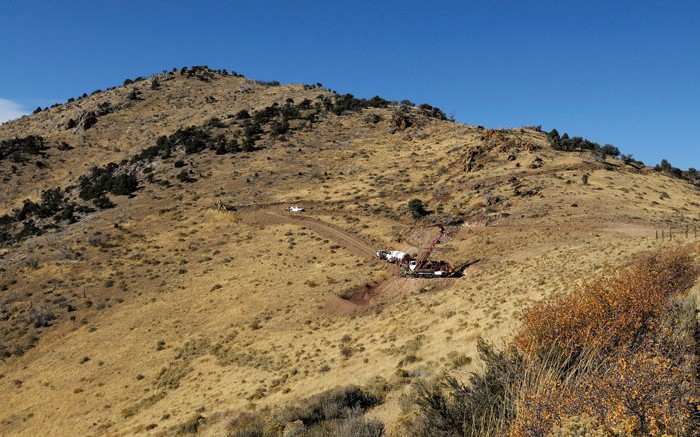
<point>257,309</point>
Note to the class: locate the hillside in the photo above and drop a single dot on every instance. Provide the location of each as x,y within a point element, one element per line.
<point>131,303</point>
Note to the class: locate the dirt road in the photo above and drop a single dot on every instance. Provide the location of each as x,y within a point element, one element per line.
<point>343,238</point>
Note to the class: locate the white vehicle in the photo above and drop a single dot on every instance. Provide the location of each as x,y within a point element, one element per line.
<point>391,256</point>
<point>396,256</point>
<point>295,209</point>
<point>383,254</point>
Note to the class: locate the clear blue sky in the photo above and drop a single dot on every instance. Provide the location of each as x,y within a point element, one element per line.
<point>620,72</point>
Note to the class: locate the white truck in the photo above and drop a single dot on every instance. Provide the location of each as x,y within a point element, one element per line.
<point>392,256</point>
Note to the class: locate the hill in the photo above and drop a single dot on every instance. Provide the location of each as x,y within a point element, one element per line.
<point>132,303</point>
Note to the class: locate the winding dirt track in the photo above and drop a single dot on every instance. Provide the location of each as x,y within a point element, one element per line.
<point>332,232</point>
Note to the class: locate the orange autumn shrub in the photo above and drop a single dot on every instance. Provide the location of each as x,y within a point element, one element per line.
<point>639,394</point>
<point>621,350</point>
<point>613,310</point>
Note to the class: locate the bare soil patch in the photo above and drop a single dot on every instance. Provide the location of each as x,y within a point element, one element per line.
<point>630,230</point>
<point>358,299</point>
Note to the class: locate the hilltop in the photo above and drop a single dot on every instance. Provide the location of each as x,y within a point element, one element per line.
<point>133,303</point>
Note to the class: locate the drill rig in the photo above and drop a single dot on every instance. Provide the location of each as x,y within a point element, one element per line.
<point>421,267</point>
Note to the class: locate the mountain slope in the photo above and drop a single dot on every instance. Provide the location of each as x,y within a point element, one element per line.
<point>136,317</point>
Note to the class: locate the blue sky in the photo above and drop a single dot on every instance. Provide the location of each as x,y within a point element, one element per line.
<point>620,72</point>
